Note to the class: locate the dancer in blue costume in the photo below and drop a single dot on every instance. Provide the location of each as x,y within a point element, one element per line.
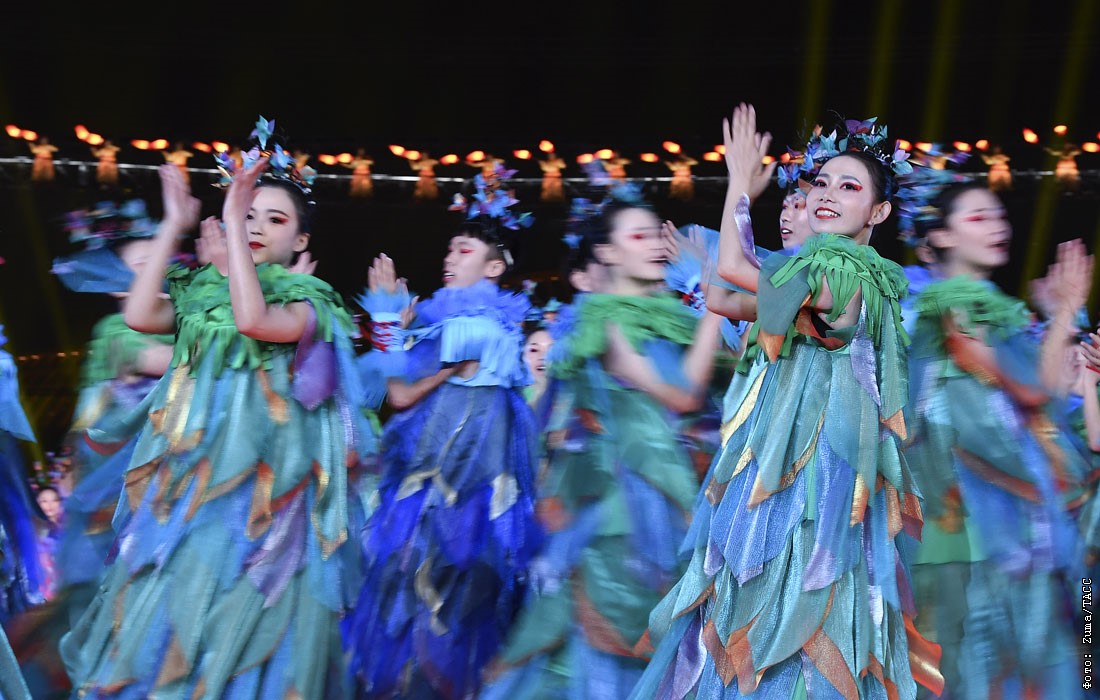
<point>795,587</point>
<point>618,490</point>
<point>121,367</point>
<point>233,570</point>
<point>997,470</point>
<point>448,546</point>
<point>21,577</point>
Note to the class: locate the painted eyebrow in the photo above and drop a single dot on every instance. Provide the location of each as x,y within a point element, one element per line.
<point>271,211</point>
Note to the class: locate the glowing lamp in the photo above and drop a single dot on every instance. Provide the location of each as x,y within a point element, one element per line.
<point>1030,136</point>
<point>649,157</point>
<point>412,155</point>
<point>982,144</point>
<point>904,145</point>
<point>720,149</point>
<point>1090,147</point>
<point>584,158</point>
<point>219,146</point>
<point>345,158</point>
<point>605,154</point>
<point>200,146</point>
<point>671,146</point>
<point>522,154</point>
<point>140,144</point>
<point>29,135</point>
<point>327,159</point>
<point>13,130</point>
<point>923,146</point>
<point>785,158</point>
<point>767,160</point>
<point>95,139</point>
<point>1061,129</point>
<point>476,156</point>
<point>546,146</point>
<point>962,146</point>
<point>397,150</point>
<point>713,156</point>
<point>159,144</point>
<point>81,132</point>
<point>449,159</point>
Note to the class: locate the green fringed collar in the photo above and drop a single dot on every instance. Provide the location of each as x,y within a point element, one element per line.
<point>204,315</point>
<point>639,318</point>
<point>847,268</point>
<point>971,303</point>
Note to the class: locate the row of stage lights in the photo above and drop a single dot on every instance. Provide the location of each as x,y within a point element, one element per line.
<point>94,139</point>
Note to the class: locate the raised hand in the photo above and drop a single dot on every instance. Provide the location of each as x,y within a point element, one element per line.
<point>745,149</point>
<point>241,192</point>
<point>181,209</point>
<point>382,277</point>
<point>304,265</point>
<point>1070,277</point>
<point>210,247</point>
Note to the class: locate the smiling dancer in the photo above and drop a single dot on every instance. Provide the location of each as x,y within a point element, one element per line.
<point>795,587</point>
<point>993,466</point>
<point>447,548</point>
<point>231,573</point>
<point>619,488</point>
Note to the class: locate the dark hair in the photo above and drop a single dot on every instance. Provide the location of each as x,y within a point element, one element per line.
<point>943,205</point>
<point>486,230</point>
<point>596,230</point>
<point>883,183</point>
<point>302,205</point>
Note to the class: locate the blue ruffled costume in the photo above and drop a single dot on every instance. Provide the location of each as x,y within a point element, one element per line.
<point>448,545</point>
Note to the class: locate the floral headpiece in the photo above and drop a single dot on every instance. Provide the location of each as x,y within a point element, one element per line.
<point>492,201</point>
<point>914,202</point>
<point>853,136</point>
<point>108,222</point>
<point>281,165</point>
<point>585,209</point>
<point>491,208</point>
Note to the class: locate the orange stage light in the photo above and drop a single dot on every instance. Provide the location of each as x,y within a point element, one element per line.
<point>522,154</point>
<point>649,157</point>
<point>546,146</point>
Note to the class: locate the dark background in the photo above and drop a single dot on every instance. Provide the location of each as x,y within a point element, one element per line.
<point>499,76</point>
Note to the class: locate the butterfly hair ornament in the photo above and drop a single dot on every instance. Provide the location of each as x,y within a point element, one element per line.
<point>917,213</point>
<point>850,136</point>
<point>491,209</point>
<point>281,165</point>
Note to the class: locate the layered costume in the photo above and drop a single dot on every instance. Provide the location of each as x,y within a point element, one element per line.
<point>448,545</point>
<point>998,477</point>
<point>615,499</point>
<point>232,568</point>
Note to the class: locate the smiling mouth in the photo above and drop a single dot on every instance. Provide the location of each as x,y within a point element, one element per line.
<point>448,276</point>
<point>823,213</point>
<point>256,245</point>
<point>785,232</point>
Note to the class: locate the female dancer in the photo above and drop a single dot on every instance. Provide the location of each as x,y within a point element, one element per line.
<point>795,587</point>
<point>448,545</point>
<point>231,573</point>
<point>120,369</point>
<point>993,467</point>
<point>618,491</point>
